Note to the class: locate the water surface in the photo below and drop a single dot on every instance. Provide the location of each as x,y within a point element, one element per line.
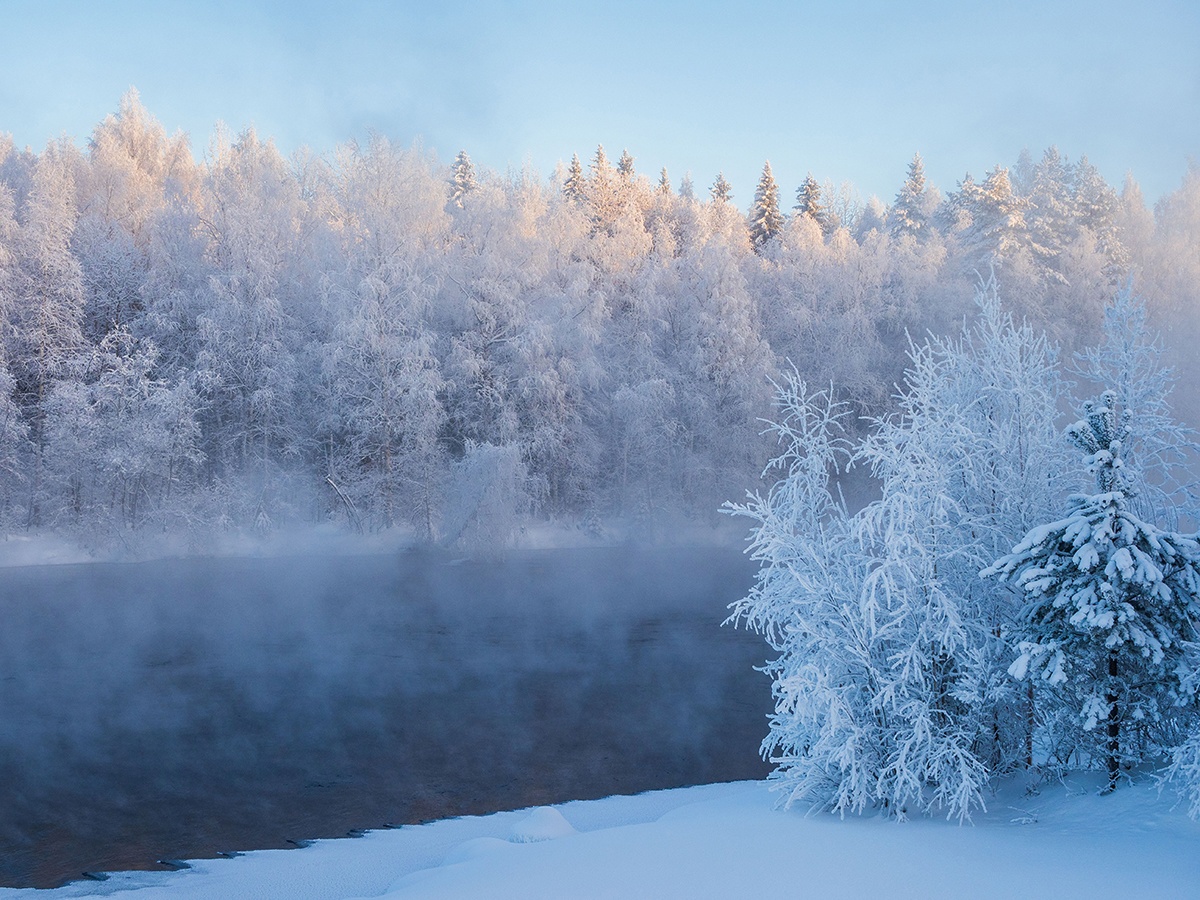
<point>179,708</point>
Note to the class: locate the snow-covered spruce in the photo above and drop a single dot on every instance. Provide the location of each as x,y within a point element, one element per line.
<point>765,220</point>
<point>462,178</point>
<point>890,686</point>
<point>1111,600</point>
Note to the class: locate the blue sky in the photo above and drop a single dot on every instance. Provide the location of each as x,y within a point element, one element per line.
<point>845,90</point>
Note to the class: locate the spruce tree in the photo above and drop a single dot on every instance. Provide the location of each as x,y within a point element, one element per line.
<point>1096,207</point>
<point>995,221</point>
<point>625,165</point>
<point>573,187</point>
<point>602,192</point>
<point>809,203</point>
<point>1051,213</point>
<point>765,219</point>
<point>908,214</point>
<point>664,182</point>
<point>462,178</point>
<point>1111,600</point>
<point>722,191</point>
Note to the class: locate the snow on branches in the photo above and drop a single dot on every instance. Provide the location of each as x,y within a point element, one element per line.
<point>1110,603</point>
<point>889,688</point>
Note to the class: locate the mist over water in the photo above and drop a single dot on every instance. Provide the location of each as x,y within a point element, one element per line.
<point>179,708</point>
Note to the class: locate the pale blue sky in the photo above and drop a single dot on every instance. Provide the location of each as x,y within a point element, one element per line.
<point>847,90</point>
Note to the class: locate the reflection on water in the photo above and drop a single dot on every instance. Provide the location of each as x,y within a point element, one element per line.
<point>181,708</point>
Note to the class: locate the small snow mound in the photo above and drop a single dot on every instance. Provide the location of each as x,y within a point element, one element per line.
<point>542,824</point>
<point>474,849</point>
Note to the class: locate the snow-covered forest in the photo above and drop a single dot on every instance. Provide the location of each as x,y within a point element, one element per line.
<point>384,340</point>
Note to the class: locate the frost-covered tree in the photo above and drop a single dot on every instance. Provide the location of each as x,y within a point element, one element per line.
<point>381,417</point>
<point>809,202</point>
<point>890,687</point>
<point>383,382</point>
<point>602,191</point>
<point>48,311</point>
<point>1110,605</point>
<point>122,444</point>
<point>765,219</point>
<point>462,178</point>
<point>722,191</point>
<point>910,211</point>
<point>13,427</point>
<point>247,357</point>
<point>1050,212</point>
<point>575,185</point>
<point>489,498</point>
<point>995,227</point>
<point>873,217</point>
<point>625,165</point>
<point>1097,207</point>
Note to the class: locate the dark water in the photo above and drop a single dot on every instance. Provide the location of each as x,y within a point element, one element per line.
<point>176,709</point>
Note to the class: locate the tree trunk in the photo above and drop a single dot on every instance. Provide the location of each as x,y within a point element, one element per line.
<point>1114,727</point>
<point>1030,724</point>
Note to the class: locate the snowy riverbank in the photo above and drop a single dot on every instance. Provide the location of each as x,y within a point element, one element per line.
<point>724,841</point>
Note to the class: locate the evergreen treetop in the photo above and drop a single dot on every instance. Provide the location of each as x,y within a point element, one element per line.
<point>625,165</point>
<point>573,187</point>
<point>765,219</point>
<point>810,203</point>
<point>462,179</point>
<point>908,214</point>
<point>722,191</point>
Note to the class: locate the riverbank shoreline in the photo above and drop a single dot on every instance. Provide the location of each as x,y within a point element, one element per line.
<point>722,840</point>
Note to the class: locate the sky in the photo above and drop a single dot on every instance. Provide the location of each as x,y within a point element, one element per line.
<point>845,90</point>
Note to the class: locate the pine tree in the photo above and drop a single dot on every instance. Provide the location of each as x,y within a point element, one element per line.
<point>575,186</point>
<point>909,213</point>
<point>765,219</point>
<point>664,182</point>
<point>462,178</point>
<point>1108,626</point>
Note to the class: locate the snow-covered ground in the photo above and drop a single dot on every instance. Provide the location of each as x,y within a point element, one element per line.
<point>725,841</point>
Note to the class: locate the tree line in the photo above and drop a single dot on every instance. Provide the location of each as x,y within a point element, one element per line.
<point>378,339</point>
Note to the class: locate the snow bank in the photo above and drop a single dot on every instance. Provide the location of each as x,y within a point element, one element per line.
<point>723,841</point>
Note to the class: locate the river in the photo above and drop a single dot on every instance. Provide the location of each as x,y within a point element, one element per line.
<point>181,708</point>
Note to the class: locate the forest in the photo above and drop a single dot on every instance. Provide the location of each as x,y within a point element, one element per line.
<point>385,341</point>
